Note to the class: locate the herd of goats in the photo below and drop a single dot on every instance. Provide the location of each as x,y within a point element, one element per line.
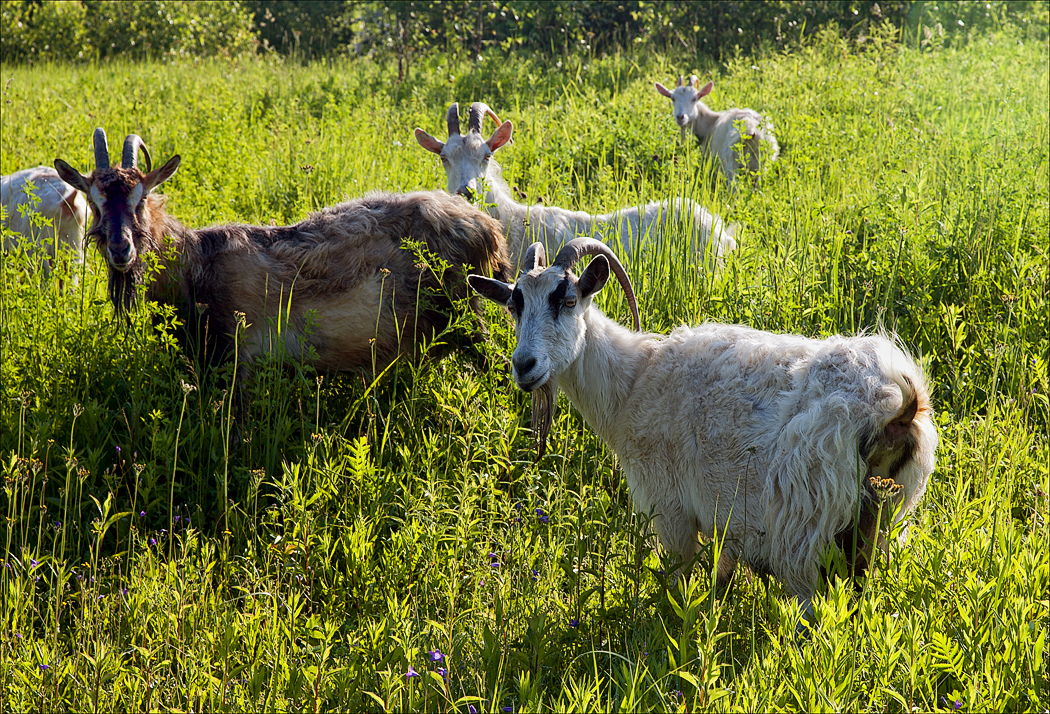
<point>778,446</point>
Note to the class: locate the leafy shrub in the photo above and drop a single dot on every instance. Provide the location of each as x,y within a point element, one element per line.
<point>35,30</point>
<point>167,27</point>
<point>91,29</point>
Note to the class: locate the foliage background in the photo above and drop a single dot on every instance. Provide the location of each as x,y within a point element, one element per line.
<point>86,30</point>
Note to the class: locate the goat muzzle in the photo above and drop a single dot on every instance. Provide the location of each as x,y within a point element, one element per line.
<point>121,255</point>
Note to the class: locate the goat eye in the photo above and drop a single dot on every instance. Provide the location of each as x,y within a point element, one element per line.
<point>570,302</point>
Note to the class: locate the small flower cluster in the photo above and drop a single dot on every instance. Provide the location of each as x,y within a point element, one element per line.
<point>885,488</point>
<point>436,658</point>
<point>541,515</point>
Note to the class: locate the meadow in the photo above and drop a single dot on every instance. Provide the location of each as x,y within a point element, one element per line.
<point>392,543</point>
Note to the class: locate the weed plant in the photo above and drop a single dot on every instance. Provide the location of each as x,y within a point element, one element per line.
<point>390,544</point>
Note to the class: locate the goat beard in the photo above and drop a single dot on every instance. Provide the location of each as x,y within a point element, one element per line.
<point>122,286</point>
<point>543,399</point>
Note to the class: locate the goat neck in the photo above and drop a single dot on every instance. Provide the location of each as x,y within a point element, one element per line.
<point>600,380</point>
<point>704,123</point>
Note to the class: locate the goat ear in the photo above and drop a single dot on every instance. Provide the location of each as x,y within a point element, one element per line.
<point>664,90</point>
<point>501,136</point>
<point>158,176</point>
<point>706,89</point>
<point>594,277</point>
<point>494,290</point>
<point>428,142</point>
<point>71,176</point>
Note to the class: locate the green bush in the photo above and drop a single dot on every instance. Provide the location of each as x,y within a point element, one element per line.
<point>91,29</point>
<point>168,27</point>
<point>35,30</point>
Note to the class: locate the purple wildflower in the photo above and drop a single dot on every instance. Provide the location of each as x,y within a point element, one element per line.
<point>152,541</point>
<point>443,672</point>
<point>535,573</point>
<point>44,667</point>
<point>33,564</point>
<point>142,514</point>
<point>411,673</point>
<point>507,709</point>
<point>435,655</point>
<point>118,449</point>
<point>177,518</point>
<point>573,622</point>
<point>543,516</point>
<point>471,709</point>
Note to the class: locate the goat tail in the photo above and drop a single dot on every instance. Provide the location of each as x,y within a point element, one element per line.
<point>815,482</point>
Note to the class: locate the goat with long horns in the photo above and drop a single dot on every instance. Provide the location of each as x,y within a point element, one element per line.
<point>352,296</point>
<point>775,444</point>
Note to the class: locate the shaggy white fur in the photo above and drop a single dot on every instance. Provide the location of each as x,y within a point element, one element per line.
<point>770,441</point>
<point>470,168</point>
<point>720,132</point>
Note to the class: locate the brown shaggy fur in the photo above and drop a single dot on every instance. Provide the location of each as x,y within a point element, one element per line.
<point>358,298</point>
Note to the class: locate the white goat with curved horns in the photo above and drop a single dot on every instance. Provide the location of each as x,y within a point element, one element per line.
<point>469,166</point>
<point>720,132</point>
<point>780,444</point>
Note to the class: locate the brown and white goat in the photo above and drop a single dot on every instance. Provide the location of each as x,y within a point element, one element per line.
<point>346,291</point>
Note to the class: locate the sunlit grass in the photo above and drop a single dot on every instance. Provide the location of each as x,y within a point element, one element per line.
<point>356,529</point>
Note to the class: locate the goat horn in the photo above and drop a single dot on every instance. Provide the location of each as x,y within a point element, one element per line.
<point>130,158</point>
<point>101,149</point>
<point>453,118</point>
<point>681,79</point>
<point>575,249</point>
<point>535,257</point>
<point>478,111</point>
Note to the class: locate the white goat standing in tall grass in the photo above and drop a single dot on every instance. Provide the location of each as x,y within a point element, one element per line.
<point>720,132</point>
<point>469,166</point>
<point>780,446</point>
<point>58,201</point>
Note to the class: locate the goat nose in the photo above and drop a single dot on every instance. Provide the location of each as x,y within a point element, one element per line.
<point>466,192</point>
<point>523,365</point>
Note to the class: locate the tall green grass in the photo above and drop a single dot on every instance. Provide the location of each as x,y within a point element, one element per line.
<point>358,526</point>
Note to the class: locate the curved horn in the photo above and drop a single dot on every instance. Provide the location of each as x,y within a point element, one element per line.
<point>579,247</point>
<point>535,257</point>
<point>130,157</point>
<point>680,80</point>
<point>478,111</point>
<point>101,149</point>
<point>453,118</point>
